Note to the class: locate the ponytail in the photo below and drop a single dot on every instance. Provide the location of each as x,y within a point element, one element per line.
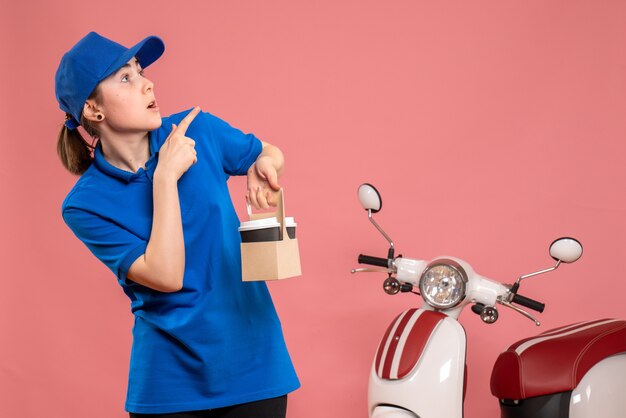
<point>75,153</point>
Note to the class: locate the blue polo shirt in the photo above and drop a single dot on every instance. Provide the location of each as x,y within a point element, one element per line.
<point>218,341</point>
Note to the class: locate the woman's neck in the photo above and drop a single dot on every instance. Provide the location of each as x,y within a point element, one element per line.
<point>128,152</point>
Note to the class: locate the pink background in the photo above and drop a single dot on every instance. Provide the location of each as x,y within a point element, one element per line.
<point>490,127</point>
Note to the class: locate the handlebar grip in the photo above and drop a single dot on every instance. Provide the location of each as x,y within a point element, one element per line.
<point>529,303</point>
<point>374,261</point>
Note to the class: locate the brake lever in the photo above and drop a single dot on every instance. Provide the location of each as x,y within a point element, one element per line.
<point>519,310</point>
<point>371,270</point>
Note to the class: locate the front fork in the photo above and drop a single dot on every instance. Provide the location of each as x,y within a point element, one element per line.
<point>420,366</point>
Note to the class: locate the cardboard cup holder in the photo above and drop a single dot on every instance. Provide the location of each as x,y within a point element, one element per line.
<point>269,247</point>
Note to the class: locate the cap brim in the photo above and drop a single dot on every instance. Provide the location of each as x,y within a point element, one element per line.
<point>146,52</point>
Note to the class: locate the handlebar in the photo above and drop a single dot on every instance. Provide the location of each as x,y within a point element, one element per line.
<point>518,299</point>
<point>529,303</point>
<point>374,261</point>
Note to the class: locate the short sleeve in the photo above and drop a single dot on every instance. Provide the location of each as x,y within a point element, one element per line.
<point>239,150</point>
<point>110,243</point>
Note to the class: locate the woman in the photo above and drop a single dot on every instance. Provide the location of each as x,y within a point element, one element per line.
<point>152,203</point>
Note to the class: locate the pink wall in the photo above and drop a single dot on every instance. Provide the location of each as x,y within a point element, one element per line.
<point>490,127</point>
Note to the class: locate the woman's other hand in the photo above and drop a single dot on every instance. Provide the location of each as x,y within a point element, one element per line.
<point>263,178</point>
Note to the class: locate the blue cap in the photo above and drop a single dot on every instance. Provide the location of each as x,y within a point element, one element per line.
<point>90,61</point>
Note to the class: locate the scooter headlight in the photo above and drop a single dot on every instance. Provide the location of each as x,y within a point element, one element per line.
<point>443,284</point>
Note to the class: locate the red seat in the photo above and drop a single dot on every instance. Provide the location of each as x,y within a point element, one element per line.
<point>556,360</point>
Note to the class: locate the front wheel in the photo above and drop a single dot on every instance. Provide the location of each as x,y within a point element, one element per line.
<point>392,412</point>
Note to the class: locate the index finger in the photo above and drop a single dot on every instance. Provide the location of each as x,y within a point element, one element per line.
<point>184,124</point>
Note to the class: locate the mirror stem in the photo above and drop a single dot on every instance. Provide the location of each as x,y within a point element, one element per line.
<point>369,215</point>
<point>558,263</point>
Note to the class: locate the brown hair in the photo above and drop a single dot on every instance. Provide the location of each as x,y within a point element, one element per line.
<point>75,152</point>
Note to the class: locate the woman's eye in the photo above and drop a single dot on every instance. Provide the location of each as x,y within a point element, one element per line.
<point>125,79</point>
<point>141,73</point>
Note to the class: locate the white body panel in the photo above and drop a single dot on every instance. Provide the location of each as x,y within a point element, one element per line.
<point>391,412</point>
<point>434,388</point>
<point>409,270</point>
<point>600,393</point>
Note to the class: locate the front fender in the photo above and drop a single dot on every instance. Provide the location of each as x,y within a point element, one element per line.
<point>420,366</point>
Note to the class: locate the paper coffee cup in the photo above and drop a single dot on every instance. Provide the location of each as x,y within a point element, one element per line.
<point>259,230</point>
<point>291,225</point>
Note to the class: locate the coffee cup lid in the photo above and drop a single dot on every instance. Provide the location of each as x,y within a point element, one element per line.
<point>259,224</point>
<point>289,221</point>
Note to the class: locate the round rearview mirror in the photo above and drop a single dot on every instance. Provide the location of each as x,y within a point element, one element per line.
<point>370,198</point>
<point>566,250</point>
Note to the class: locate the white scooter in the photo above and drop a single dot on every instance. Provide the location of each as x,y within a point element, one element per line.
<point>576,371</point>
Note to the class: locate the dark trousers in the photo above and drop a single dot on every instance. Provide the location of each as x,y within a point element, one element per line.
<point>267,408</point>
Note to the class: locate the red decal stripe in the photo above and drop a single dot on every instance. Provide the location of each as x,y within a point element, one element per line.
<point>391,352</point>
<point>565,328</point>
<point>383,342</point>
<point>416,341</point>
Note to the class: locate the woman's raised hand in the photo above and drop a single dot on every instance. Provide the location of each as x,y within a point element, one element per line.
<point>178,152</point>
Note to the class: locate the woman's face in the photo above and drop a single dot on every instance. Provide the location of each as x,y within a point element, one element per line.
<point>128,102</point>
